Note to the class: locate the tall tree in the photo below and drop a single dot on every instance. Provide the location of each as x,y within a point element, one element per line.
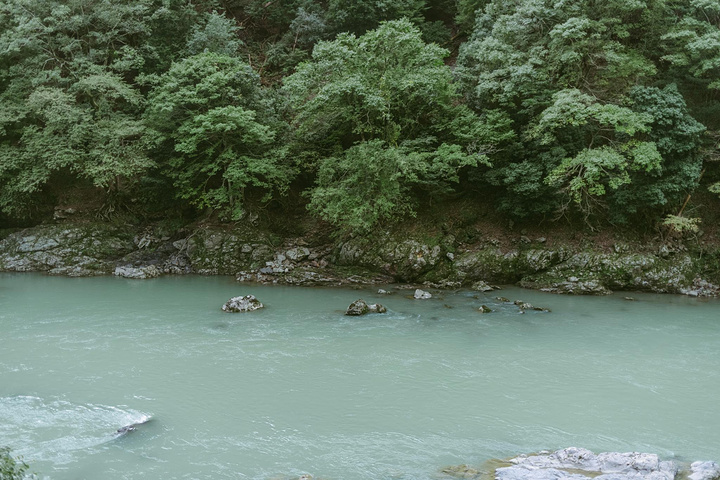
<point>386,96</point>
<point>566,73</point>
<point>216,130</point>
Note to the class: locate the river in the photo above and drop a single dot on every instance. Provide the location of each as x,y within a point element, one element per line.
<point>300,388</point>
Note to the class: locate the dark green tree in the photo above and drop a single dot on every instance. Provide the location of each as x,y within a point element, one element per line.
<point>565,74</point>
<point>216,132</point>
<point>383,105</point>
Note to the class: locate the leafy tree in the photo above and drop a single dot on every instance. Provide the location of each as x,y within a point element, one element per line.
<point>567,75</point>
<point>12,468</point>
<point>693,44</point>
<point>71,77</point>
<point>307,28</point>
<point>218,35</point>
<point>371,183</point>
<point>386,95</point>
<point>611,149</point>
<point>467,11</point>
<point>678,139</point>
<point>216,130</point>
<point>359,16</point>
<point>692,47</point>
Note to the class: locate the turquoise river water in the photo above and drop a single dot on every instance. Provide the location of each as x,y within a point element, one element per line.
<point>300,388</point>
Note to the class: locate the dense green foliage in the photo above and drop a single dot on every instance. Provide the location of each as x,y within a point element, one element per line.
<point>215,128</point>
<point>12,468</point>
<point>604,111</point>
<point>381,112</point>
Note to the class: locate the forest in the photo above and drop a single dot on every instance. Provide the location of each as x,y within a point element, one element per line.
<point>361,112</point>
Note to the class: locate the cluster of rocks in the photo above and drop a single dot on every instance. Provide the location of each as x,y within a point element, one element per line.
<point>360,307</point>
<point>523,306</point>
<point>575,463</point>
<point>600,273</point>
<point>607,466</point>
<point>73,251</point>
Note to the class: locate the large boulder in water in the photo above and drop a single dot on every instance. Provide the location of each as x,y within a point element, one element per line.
<point>704,471</point>
<point>248,303</point>
<point>605,466</point>
<point>421,294</point>
<point>360,307</point>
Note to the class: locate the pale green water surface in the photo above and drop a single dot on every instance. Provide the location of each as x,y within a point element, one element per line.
<point>300,388</point>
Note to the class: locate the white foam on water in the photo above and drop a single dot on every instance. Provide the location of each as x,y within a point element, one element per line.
<point>55,430</point>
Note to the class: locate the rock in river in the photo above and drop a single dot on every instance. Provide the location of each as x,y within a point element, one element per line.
<point>360,307</point>
<point>604,466</point>
<point>422,294</point>
<point>248,303</point>
<point>704,471</point>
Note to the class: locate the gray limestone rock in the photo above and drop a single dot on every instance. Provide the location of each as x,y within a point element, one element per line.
<point>247,303</point>
<point>422,294</point>
<point>297,254</point>
<point>564,465</point>
<point>360,307</point>
<point>147,271</point>
<point>704,471</point>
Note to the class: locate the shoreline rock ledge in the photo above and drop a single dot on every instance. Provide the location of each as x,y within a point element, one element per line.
<point>571,463</point>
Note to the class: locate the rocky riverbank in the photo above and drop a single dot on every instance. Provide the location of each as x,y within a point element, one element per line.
<point>440,261</point>
<point>575,463</point>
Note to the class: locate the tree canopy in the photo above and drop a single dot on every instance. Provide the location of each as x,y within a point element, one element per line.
<point>366,110</point>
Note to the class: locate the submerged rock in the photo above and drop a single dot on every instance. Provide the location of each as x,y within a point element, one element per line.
<point>132,427</point>
<point>605,466</point>
<point>304,476</point>
<point>461,471</point>
<point>248,303</point>
<point>484,309</point>
<point>360,307</point>
<point>422,294</point>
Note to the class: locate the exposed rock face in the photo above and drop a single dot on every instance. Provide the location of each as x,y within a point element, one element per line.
<point>247,303</point>
<point>604,466</point>
<point>599,273</point>
<point>438,262</point>
<point>482,286</point>
<point>403,258</point>
<point>360,307</point>
<point>148,271</point>
<point>422,294</point>
<point>72,251</point>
